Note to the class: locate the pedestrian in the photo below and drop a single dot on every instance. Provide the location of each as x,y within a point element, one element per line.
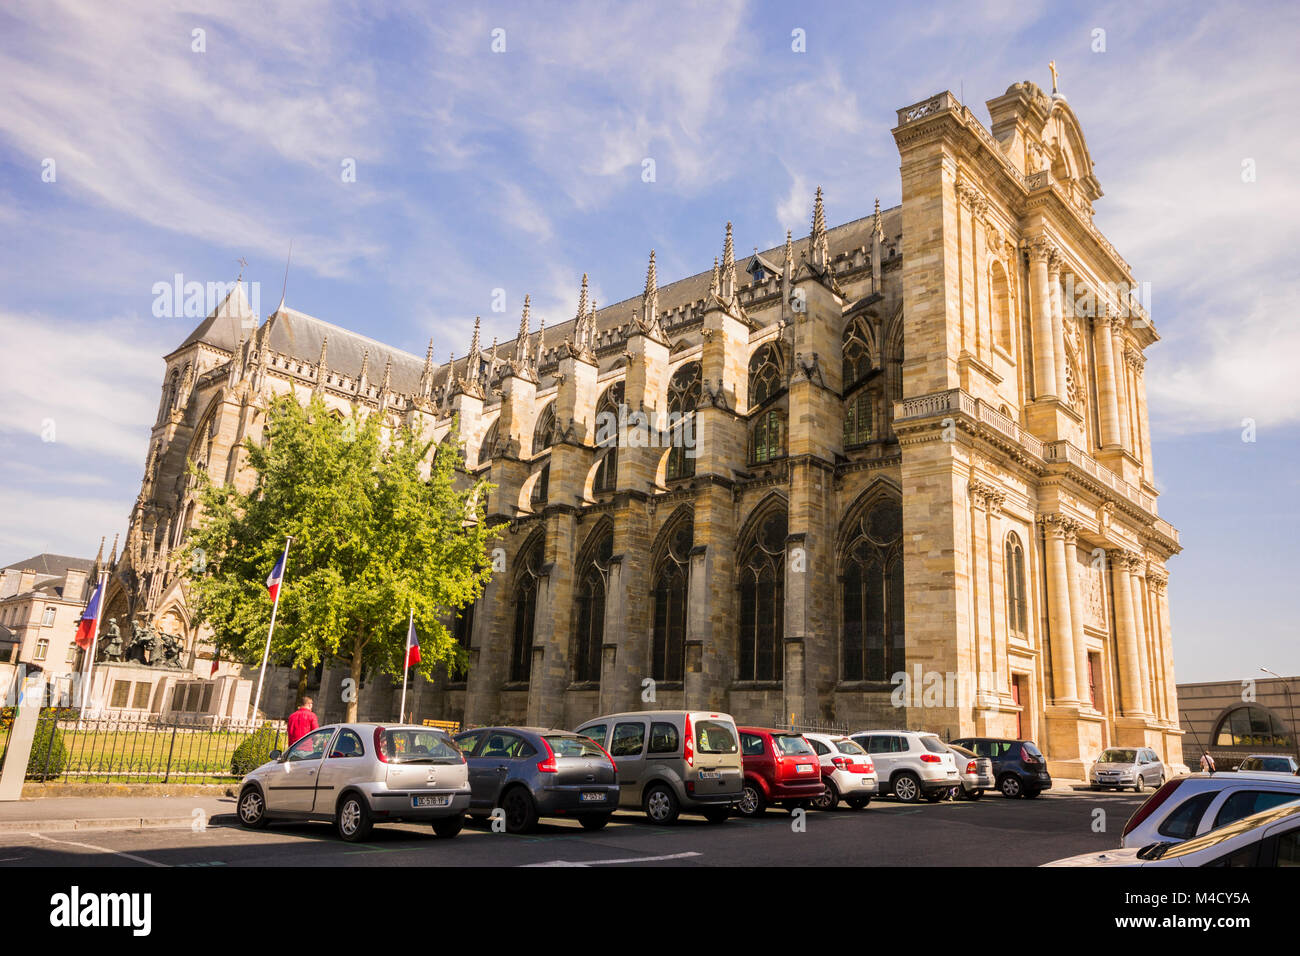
<point>1207,763</point>
<point>302,721</point>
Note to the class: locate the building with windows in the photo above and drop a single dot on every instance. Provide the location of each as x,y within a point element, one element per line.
<point>894,472</point>
<point>41,600</point>
<point>1233,719</point>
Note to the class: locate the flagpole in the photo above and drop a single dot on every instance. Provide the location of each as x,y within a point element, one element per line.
<point>406,666</point>
<point>94,643</point>
<point>266,652</point>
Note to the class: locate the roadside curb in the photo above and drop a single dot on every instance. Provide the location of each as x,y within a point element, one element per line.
<point>110,823</point>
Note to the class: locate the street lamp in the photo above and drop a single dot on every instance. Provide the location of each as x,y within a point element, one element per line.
<point>1295,738</point>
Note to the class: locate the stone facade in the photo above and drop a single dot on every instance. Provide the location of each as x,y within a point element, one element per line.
<point>913,443</point>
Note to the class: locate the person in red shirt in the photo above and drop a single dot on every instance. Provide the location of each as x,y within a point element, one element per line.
<point>302,721</point>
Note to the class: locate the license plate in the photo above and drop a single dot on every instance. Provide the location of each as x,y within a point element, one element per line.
<point>709,774</point>
<point>867,781</point>
<point>591,797</point>
<point>435,800</point>
<point>804,768</point>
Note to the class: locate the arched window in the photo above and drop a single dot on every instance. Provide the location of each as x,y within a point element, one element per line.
<point>541,488</point>
<point>765,374</point>
<point>683,397</point>
<point>487,450</point>
<point>606,479</point>
<point>857,418</point>
<point>544,431</point>
<point>671,588</point>
<point>768,440</point>
<point>761,570</point>
<point>593,573</point>
<point>608,412</point>
<point>1251,725</point>
<point>874,645</point>
<point>857,352</point>
<point>1017,595</point>
<point>524,601</point>
<point>1000,306</point>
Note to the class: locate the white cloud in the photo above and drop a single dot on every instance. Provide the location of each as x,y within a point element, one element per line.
<point>37,522</point>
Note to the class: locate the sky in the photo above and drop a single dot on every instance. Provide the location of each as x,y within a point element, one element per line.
<point>503,147</point>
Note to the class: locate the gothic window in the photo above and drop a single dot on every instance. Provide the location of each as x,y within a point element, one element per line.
<point>488,449</point>
<point>593,573</point>
<point>464,626</point>
<point>765,374</point>
<point>524,605</point>
<point>1017,599</point>
<point>544,432</point>
<point>768,440</point>
<point>857,418</point>
<point>541,488</point>
<point>671,588</point>
<point>761,570</point>
<point>872,588</point>
<point>683,397</point>
<point>606,479</point>
<point>857,352</point>
<point>607,417</point>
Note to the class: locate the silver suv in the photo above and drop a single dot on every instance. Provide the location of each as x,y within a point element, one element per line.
<point>911,764</point>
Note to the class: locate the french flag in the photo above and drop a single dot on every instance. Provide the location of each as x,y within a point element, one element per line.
<point>89,622</point>
<point>412,646</point>
<point>277,575</point>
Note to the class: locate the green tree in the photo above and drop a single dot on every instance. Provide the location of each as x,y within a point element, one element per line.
<point>380,527</point>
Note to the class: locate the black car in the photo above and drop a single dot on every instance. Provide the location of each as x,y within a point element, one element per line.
<point>1019,767</point>
<point>529,772</point>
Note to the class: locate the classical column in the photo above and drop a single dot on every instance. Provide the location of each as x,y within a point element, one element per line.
<point>1126,637</point>
<point>1158,581</point>
<point>1119,346</point>
<point>1142,444</point>
<point>1076,615</point>
<point>1106,384</point>
<point>1060,625</point>
<point>1040,249</point>
<point>1058,322</point>
<point>1143,641</point>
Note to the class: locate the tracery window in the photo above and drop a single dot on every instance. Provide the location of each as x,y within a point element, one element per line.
<point>766,376</point>
<point>761,571</point>
<point>524,603</point>
<point>768,437</point>
<point>593,575</point>
<point>857,418</point>
<point>544,431</point>
<point>671,591</point>
<point>872,590</point>
<point>683,397</point>
<point>857,352</point>
<point>487,450</point>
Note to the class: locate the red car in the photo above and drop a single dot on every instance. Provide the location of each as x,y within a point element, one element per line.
<point>780,766</point>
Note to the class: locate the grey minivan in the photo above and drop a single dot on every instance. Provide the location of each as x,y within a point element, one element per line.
<point>673,761</point>
<point>1125,767</point>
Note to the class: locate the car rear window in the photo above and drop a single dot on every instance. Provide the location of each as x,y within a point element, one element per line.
<point>715,737</point>
<point>419,746</point>
<point>1182,823</point>
<point>1031,749</point>
<point>1245,802</point>
<point>596,732</point>
<point>847,746</point>
<point>791,744</point>
<point>1271,764</point>
<point>934,744</point>
<point>575,746</point>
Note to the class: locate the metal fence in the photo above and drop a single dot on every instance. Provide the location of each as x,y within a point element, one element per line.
<point>810,726</point>
<point>145,749</point>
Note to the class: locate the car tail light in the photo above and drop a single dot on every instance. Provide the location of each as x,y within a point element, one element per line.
<point>689,750</point>
<point>1144,811</point>
<point>548,765</point>
<point>970,767</point>
<point>868,767</point>
<point>841,763</point>
<point>379,745</point>
<point>930,758</point>
<point>610,759</point>
<point>1027,757</point>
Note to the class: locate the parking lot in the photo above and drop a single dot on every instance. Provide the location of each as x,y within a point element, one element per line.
<point>991,832</point>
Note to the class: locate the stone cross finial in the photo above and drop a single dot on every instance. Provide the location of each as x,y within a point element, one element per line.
<point>1051,65</point>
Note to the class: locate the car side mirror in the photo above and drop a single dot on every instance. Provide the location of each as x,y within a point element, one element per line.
<point>276,755</point>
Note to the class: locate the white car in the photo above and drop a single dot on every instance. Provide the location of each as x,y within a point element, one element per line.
<point>1268,838</point>
<point>1283,764</point>
<point>1189,806</point>
<point>847,772</point>
<point>910,764</point>
<point>357,775</point>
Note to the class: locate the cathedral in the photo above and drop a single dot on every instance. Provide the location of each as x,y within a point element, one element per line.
<point>893,473</point>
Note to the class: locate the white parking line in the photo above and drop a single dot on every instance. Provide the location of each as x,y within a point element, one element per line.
<point>101,849</point>
<point>634,859</point>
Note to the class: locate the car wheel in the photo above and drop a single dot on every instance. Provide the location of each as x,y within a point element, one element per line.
<point>660,805</point>
<point>1010,786</point>
<point>594,821</point>
<point>857,803</point>
<point>448,827</point>
<point>352,819</point>
<point>1138,784</point>
<point>521,812</point>
<point>1162,781</point>
<point>252,809</point>
<point>717,814</point>
<point>907,787</point>
<point>752,803</point>
<point>828,799</point>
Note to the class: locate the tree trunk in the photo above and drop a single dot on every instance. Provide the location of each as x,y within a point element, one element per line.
<point>357,646</point>
<point>302,687</point>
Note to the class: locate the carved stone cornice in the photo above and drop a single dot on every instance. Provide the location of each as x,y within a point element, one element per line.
<point>1124,559</point>
<point>986,496</point>
<point>1135,360</point>
<point>1157,579</point>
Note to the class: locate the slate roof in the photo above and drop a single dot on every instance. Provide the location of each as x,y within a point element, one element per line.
<point>52,564</point>
<point>223,328</point>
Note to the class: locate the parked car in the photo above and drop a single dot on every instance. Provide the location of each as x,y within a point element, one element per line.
<point>1122,767</point>
<point>1268,838</point>
<point>1269,763</point>
<point>358,775</point>
<point>976,773</point>
<point>673,761</point>
<point>1189,806</point>
<point>530,773</point>
<point>1019,767</point>
<point>910,764</point>
<point>847,772</point>
<point>780,767</point>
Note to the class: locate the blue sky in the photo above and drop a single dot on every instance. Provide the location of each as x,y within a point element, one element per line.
<point>520,170</point>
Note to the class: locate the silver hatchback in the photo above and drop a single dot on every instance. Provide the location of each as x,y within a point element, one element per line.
<point>357,775</point>
<point>1126,768</point>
